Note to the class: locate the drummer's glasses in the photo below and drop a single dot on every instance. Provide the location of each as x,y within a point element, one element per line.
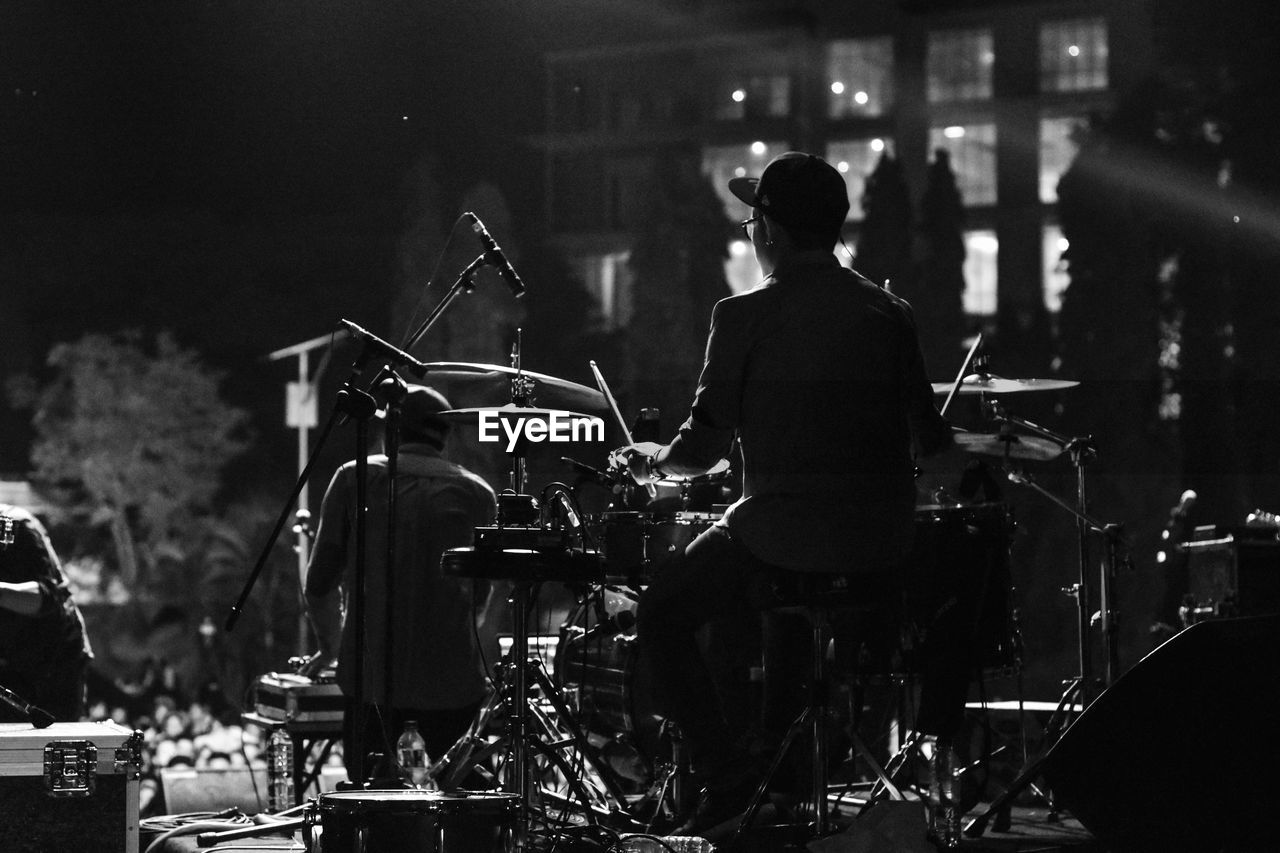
<point>746,224</point>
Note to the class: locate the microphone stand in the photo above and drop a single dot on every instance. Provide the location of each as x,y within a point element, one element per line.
<point>1080,688</point>
<point>464,283</point>
<point>358,405</point>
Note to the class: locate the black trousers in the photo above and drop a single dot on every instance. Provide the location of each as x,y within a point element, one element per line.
<point>715,578</point>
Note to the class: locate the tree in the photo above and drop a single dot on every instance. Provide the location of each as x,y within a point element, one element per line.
<point>939,293</point>
<point>677,264</point>
<point>884,240</point>
<point>134,439</point>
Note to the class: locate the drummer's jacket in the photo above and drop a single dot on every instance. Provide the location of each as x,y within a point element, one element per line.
<point>818,373</point>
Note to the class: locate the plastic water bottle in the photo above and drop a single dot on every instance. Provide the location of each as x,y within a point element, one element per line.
<point>280,793</point>
<point>944,796</point>
<point>411,756</point>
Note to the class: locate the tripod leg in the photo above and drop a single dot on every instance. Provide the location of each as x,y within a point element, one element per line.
<point>569,721</point>
<point>470,750</point>
<point>1001,805</point>
<point>757,800</point>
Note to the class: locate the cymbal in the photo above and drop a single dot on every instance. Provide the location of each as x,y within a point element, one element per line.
<point>983,383</point>
<point>1025,447</point>
<point>547,389</point>
<point>511,411</point>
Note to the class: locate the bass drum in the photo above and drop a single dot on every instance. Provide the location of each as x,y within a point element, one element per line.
<point>399,821</point>
<point>598,670</point>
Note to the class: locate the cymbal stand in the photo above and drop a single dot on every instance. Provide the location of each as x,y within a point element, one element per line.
<point>1080,689</point>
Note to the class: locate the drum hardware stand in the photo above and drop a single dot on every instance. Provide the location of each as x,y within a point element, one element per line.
<point>1080,689</point>
<point>552,733</point>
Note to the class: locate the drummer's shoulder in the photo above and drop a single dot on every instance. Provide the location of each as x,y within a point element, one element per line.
<point>751,301</point>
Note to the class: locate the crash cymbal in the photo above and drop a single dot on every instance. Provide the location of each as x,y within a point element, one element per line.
<point>983,383</point>
<point>546,389</point>
<point>1024,447</point>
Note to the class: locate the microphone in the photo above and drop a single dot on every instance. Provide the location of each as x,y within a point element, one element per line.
<point>39,717</point>
<point>494,257</point>
<point>390,352</point>
<point>593,474</point>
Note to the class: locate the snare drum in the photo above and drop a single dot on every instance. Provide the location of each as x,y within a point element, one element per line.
<point>399,821</point>
<point>636,544</point>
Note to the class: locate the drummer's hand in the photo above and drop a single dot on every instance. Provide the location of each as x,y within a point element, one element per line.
<point>636,460</point>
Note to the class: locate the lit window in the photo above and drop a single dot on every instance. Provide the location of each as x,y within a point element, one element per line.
<point>747,96</point>
<point>861,75</point>
<point>720,163</point>
<point>980,273</point>
<point>608,279</point>
<point>959,64</point>
<point>856,159</point>
<point>1057,150</point>
<point>1073,55</point>
<point>973,158</point>
<point>1055,269</point>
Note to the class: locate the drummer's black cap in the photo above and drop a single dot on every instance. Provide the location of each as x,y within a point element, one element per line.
<point>420,415</point>
<point>802,191</point>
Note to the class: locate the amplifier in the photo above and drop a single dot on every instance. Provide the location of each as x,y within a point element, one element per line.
<point>1235,573</point>
<point>71,786</point>
<point>299,699</point>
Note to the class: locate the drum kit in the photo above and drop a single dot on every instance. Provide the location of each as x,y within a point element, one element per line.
<point>576,747</point>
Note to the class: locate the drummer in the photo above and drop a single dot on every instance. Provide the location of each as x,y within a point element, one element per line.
<point>818,373</point>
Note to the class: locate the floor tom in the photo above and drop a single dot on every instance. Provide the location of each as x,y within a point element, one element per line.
<point>399,821</point>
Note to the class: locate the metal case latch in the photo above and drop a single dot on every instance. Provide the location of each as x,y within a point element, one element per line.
<point>70,768</point>
<point>129,757</point>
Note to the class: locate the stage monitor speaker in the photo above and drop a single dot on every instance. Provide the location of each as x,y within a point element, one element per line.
<point>1182,753</point>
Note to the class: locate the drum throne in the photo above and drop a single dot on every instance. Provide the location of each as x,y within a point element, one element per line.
<point>822,599</point>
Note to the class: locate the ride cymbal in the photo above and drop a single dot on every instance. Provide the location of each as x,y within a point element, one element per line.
<point>546,389</point>
<point>982,383</point>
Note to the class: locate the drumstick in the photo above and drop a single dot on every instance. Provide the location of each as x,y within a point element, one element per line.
<point>613,404</point>
<point>613,407</point>
<point>960,376</point>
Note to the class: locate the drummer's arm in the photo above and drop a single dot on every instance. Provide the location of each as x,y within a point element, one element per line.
<point>707,435</point>
<point>324,594</point>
